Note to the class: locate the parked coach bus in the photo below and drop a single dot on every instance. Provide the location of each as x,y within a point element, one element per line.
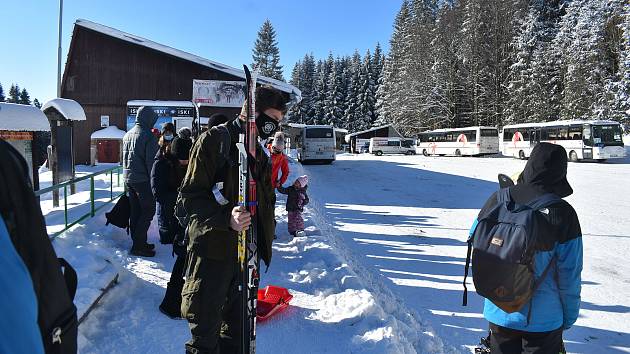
<point>582,139</point>
<point>470,141</point>
<point>316,143</point>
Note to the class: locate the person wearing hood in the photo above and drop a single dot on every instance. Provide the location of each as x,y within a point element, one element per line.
<point>139,149</point>
<point>537,327</point>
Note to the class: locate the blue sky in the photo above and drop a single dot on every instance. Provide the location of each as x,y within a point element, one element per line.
<point>223,31</point>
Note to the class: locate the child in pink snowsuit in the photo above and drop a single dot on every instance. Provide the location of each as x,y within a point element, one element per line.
<point>296,200</point>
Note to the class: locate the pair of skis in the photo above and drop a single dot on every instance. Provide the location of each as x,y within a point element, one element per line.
<point>247,240</point>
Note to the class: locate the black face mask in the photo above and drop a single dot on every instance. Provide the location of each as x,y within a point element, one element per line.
<point>267,126</point>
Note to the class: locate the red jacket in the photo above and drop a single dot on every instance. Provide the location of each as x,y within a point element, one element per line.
<point>279,161</point>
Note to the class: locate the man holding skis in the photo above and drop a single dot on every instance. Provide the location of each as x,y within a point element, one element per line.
<point>210,195</point>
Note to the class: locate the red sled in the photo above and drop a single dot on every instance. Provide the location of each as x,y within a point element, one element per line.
<point>271,300</point>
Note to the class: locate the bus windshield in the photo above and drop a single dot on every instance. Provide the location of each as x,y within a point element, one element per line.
<point>319,133</point>
<point>607,134</point>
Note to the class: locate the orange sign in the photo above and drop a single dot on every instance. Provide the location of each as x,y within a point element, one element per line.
<point>11,135</point>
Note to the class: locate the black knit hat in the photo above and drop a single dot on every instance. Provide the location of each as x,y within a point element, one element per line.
<point>180,148</point>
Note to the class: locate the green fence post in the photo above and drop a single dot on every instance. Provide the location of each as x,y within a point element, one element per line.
<point>65,204</point>
<point>92,195</point>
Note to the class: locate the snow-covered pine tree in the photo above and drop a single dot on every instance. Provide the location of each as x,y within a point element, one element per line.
<point>295,113</point>
<point>366,99</point>
<point>14,94</point>
<point>2,98</point>
<point>448,90</point>
<point>321,89</point>
<point>352,98</point>
<point>333,110</point>
<point>617,43</point>
<point>535,85</point>
<point>412,110</point>
<point>36,103</point>
<point>389,95</point>
<point>266,55</point>
<point>24,98</point>
<point>308,84</point>
<point>378,60</point>
<point>581,41</point>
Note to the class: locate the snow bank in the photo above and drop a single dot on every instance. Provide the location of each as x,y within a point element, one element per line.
<point>22,118</point>
<point>69,109</point>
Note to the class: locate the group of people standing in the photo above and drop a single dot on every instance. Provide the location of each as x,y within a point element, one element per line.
<point>202,177</point>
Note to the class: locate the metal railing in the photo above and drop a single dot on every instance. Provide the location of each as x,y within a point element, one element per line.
<point>93,208</point>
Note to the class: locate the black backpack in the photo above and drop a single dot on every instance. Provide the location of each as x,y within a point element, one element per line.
<point>503,245</point>
<point>54,280</point>
<point>120,213</point>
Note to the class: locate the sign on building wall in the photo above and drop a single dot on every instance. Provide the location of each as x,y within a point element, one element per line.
<point>219,93</point>
<point>166,114</point>
<point>104,121</point>
<point>23,143</point>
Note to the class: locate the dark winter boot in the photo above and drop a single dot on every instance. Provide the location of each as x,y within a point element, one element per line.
<point>171,305</point>
<point>142,252</point>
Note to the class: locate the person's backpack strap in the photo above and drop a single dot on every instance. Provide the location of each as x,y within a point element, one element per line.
<point>226,141</point>
<point>70,275</point>
<point>467,266</point>
<point>543,201</point>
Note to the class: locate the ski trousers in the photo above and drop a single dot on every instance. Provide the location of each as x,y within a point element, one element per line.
<point>296,222</point>
<point>210,304</point>
<point>142,209</point>
<point>509,341</point>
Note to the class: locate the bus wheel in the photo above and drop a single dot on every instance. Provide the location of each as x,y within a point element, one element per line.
<point>573,156</point>
<point>425,152</point>
<point>521,155</point>
<point>409,152</point>
<point>458,153</point>
<point>378,153</point>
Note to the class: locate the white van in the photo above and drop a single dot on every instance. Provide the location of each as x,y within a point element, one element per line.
<point>380,146</point>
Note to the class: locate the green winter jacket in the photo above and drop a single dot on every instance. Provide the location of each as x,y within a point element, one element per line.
<point>209,227</point>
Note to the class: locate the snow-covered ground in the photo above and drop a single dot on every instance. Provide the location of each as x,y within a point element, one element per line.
<point>381,268</point>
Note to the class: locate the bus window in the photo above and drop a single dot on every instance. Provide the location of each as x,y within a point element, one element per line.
<point>471,136</point>
<point>490,132</point>
<point>508,134</point>
<point>393,143</point>
<point>544,134</point>
<point>406,143</point>
<point>607,134</point>
<point>563,132</point>
<point>575,132</point>
<point>319,133</point>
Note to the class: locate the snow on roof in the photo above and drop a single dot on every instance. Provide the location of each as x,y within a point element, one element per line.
<point>22,118</point>
<point>69,109</point>
<point>368,130</point>
<point>111,132</point>
<point>160,103</point>
<point>561,122</point>
<point>112,32</point>
<point>456,129</point>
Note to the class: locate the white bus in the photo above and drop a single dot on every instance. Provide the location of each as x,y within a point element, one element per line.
<point>582,139</point>
<point>316,143</point>
<point>470,141</point>
<point>380,146</point>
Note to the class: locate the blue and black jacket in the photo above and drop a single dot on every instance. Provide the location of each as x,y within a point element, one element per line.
<point>556,303</point>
